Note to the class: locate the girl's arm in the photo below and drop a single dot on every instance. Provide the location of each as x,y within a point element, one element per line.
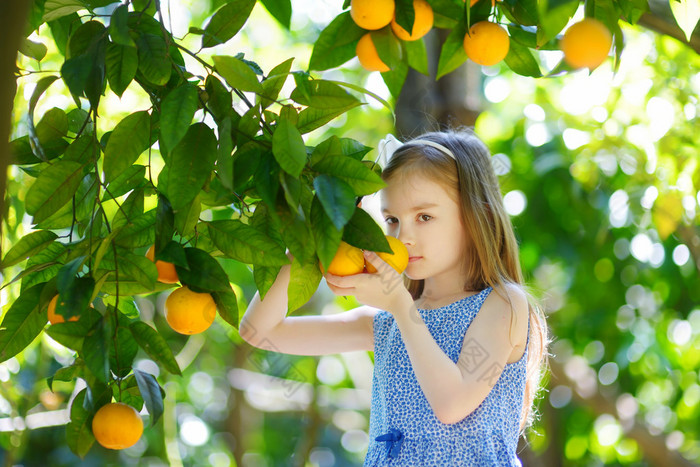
<point>265,324</point>
<point>454,390</point>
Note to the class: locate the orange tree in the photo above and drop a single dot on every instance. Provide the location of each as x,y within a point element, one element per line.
<point>99,196</point>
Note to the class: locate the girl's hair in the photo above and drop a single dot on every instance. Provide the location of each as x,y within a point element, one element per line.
<point>492,257</point>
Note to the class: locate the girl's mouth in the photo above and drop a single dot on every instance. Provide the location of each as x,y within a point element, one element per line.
<point>411,259</point>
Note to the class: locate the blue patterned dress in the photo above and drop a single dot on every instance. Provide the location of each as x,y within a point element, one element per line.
<point>403,428</point>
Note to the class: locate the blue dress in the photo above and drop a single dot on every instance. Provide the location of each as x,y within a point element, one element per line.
<point>403,428</point>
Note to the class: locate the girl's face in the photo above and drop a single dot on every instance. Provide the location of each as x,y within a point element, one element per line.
<point>421,214</point>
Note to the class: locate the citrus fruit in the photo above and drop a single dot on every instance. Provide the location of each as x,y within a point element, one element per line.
<point>189,312</point>
<point>397,260</point>
<point>421,25</point>
<point>367,53</point>
<point>486,43</point>
<point>372,14</point>
<point>166,271</point>
<point>348,260</point>
<point>586,43</point>
<point>117,426</point>
<point>55,318</point>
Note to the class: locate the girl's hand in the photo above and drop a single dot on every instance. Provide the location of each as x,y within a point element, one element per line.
<point>383,289</point>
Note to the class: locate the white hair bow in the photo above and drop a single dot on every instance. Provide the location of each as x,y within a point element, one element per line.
<point>386,149</point>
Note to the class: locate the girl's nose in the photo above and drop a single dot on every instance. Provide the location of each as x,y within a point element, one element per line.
<point>405,236</point>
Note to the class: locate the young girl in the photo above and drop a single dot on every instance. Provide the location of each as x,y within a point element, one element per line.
<point>459,347</point>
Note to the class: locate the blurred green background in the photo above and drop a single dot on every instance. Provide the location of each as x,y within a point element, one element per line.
<point>600,175</point>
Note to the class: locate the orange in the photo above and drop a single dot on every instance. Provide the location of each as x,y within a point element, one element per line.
<point>348,260</point>
<point>367,53</point>
<point>55,318</point>
<point>372,14</point>
<point>117,426</point>
<point>486,43</point>
<point>397,260</point>
<point>189,312</point>
<point>421,25</point>
<point>166,271</point>
<point>586,44</point>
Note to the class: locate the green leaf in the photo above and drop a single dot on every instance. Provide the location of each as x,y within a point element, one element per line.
<point>154,62</point>
<point>323,95</point>
<point>405,14</point>
<point>54,187</point>
<point>395,78</point>
<point>303,283</point>
<point>28,246</point>
<point>22,322</point>
<point>237,73</point>
<point>204,273</point>
<point>129,139</point>
<point>138,232</point>
<point>687,14</point>
<point>220,101</point>
<point>363,232</point>
<point>336,197</point>
<point>66,374</point>
<point>521,61</point>
<point>288,148</point>
<point>41,86</point>
<point>155,346</point>
<point>524,12</point>
<point>61,29</point>
<point>52,127</point>
<point>190,165</point>
<point>31,49</point>
<point>165,223</point>
<point>264,277</point>
<point>336,44</point>
<point>151,393</point>
<point>554,15</point>
<point>312,118</point>
<point>186,218</point>
<point>226,22</point>
<point>326,236</point>
<point>246,244</point>
<point>353,172</point>
<point>417,56</point>
<point>79,435</point>
<point>177,111</point>
<point>83,150</point>
<point>227,306</point>
<point>54,9</point>
<point>122,357</point>
<point>138,267</point>
<point>388,47</point>
<point>122,62</point>
<point>452,54</point>
<point>272,85</point>
<point>281,10</point>
<point>130,178</point>
<point>119,28</point>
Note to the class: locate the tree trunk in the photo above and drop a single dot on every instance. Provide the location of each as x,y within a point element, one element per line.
<point>13,20</point>
<point>429,105</point>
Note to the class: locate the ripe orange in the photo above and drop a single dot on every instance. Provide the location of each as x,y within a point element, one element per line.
<point>586,43</point>
<point>55,318</point>
<point>367,53</point>
<point>486,43</point>
<point>421,25</point>
<point>166,271</point>
<point>117,426</point>
<point>397,260</point>
<point>372,14</point>
<point>348,260</point>
<point>189,312</point>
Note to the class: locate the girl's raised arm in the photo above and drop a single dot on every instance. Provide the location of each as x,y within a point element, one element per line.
<point>266,325</point>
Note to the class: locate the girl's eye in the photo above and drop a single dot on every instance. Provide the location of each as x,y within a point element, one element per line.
<point>390,220</point>
<point>422,216</point>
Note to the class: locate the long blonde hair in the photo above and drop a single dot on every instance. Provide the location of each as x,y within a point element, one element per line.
<point>492,257</point>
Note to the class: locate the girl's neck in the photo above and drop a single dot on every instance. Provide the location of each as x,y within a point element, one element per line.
<point>438,295</point>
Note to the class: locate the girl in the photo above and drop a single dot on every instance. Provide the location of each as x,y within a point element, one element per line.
<point>459,349</point>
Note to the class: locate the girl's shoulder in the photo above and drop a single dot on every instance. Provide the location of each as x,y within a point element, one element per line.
<point>508,305</point>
